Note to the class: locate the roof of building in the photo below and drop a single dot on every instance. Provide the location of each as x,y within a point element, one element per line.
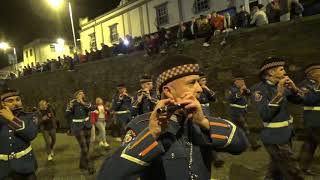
<point>121,5</point>
<point>40,41</point>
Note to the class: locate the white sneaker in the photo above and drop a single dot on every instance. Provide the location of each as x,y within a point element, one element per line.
<point>205,44</point>
<point>101,143</point>
<point>50,158</point>
<point>223,42</point>
<point>118,139</point>
<point>106,144</point>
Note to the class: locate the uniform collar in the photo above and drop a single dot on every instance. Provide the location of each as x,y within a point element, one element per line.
<point>270,82</point>
<point>311,80</point>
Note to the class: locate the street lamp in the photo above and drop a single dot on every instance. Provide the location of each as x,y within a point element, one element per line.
<point>60,41</point>
<point>56,4</point>
<point>5,46</point>
<point>59,45</point>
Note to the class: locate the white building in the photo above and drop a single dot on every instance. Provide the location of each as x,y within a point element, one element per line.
<point>40,50</point>
<point>140,17</point>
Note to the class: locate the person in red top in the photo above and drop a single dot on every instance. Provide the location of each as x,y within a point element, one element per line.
<point>217,21</point>
<point>99,117</point>
<point>217,24</point>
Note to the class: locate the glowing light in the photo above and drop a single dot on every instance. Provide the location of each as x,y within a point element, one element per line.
<point>60,41</point>
<point>59,46</point>
<point>4,46</point>
<point>126,42</point>
<point>55,3</point>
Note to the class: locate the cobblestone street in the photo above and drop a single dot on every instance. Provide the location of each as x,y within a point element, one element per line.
<point>248,166</point>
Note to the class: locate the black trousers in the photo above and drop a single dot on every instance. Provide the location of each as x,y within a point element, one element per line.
<point>209,35</point>
<point>283,165</point>
<point>50,139</point>
<point>18,176</point>
<point>83,138</point>
<point>309,147</point>
<point>240,121</point>
<point>216,158</point>
<point>121,121</point>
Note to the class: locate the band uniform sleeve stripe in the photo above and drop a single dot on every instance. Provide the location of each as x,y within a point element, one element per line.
<point>149,148</point>
<point>218,124</point>
<point>139,140</point>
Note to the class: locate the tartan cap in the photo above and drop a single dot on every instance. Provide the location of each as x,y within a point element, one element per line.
<point>145,78</point>
<point>9,93</point>
<point>121,85</point>
<point>174,67</point>
<point>272,62</point>
<point>237,75</point>
<point>311,67</point>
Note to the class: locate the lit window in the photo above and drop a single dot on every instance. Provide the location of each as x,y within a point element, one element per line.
<point>201,5</point>
<point>52,48</point>
<point>71,49</point>
<point>114,36</point>
<point>93,42</point>
<point>162,14</point>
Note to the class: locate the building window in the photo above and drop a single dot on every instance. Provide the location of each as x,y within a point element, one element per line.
<point>26,54</point>
<point>30,52</point>
<point>232,11</point>
<point>93,42</point>
<point>162,14</point>
<point>114,36</point>
<point>52,48</point>
<point>201,5</point>
<point>71,49</point>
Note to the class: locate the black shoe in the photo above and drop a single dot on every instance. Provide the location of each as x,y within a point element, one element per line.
<point>256,147</point>
<point>218,163</point>
<point>91,171</point>
<point>308,172</point>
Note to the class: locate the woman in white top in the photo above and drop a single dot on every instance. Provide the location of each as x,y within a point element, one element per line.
<point>101,116</point>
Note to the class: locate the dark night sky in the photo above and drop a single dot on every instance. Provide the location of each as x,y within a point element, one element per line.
<point>21,21</point>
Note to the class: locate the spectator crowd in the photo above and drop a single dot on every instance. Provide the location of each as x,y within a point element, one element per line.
<point>206,26</point>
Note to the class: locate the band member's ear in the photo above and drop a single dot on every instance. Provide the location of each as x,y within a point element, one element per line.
<point>167,90</point>
<point>271,71</point>
<point>1,105</point>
